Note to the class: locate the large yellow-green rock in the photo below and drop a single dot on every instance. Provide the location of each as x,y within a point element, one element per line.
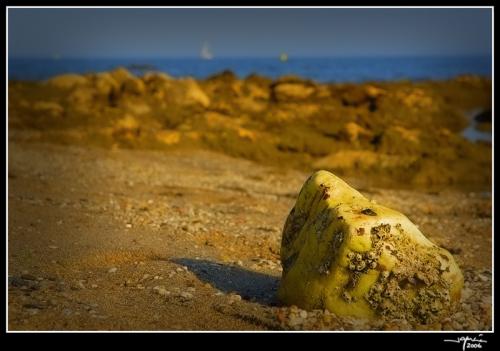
<point>342,252</point>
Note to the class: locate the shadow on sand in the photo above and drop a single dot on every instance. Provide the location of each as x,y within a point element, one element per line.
<point>250,285</point>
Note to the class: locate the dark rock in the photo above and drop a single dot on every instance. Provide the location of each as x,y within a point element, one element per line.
<point>484,117</point>
<point>226,76</point>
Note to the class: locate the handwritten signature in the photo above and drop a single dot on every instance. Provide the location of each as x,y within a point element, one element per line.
<point>468,342</point>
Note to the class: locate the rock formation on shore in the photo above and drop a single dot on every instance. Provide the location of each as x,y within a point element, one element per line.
<point>406,133</point>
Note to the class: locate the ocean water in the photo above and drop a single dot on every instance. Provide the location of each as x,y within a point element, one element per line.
<point>353,69</point>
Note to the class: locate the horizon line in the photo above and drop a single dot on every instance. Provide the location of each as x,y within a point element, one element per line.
<point>290,57</point>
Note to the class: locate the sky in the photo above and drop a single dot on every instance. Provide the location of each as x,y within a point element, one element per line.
<point>168,32</point>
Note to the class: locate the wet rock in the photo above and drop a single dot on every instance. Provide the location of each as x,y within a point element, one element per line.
<point>344,253</point>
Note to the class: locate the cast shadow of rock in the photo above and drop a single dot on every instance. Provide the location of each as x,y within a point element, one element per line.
<point>250,285</point>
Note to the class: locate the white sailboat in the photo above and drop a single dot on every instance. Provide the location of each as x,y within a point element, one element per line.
<point>205,53</point>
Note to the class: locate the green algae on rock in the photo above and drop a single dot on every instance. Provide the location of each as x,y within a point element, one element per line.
<point>344,253</point>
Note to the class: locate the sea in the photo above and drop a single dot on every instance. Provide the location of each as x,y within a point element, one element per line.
<point>320,69</point>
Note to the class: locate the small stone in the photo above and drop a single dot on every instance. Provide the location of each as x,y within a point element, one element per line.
<point>234,298</point>
<point>112,270</point>
<point>128,225</point>
<point>53,247</point>
<point>295,321</point>
<point>186,295</point>
<point>28,277</point>
<point>160,290</point>
<point>94,286</point>
<point>483,278</point>
<point>466,293</point>
<point>32,311</point>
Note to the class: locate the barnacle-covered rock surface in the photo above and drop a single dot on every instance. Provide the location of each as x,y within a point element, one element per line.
<point>347,254</point>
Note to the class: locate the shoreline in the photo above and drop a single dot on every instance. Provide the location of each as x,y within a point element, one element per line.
<point>361,69</point>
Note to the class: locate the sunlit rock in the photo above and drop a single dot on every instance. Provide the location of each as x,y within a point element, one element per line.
<point>344,253</point>
<point>50,108</point>
<point>67,81</point>
<point>292,91</point>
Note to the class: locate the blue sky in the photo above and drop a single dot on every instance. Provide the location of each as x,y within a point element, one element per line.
<point>171,32</point>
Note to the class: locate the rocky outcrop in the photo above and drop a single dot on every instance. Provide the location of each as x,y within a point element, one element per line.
<point>288,89</point>
<point>67,81</point>
<point>51,109</point>
<point>349,255</point>
<point>190,93</point>
<point>390,133</point>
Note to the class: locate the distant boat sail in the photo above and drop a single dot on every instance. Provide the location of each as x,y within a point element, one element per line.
<point>205,53</point>
<point>283,57</point>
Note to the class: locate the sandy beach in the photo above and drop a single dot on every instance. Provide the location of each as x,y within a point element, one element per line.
<point>155,203</point>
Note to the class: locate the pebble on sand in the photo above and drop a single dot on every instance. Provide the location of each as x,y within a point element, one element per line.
<point>160,290</point>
